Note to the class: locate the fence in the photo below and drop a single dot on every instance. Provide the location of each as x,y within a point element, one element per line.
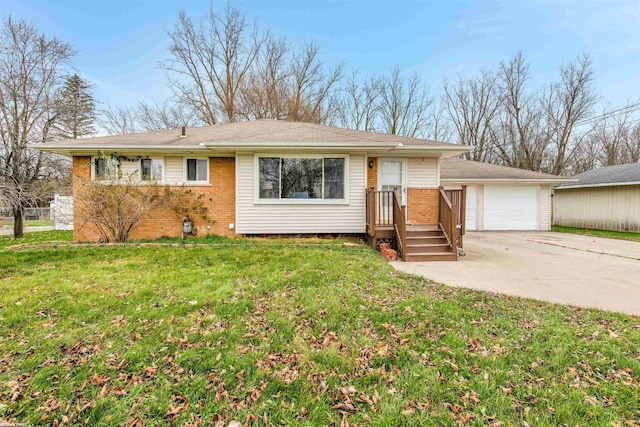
<point>29,214</point>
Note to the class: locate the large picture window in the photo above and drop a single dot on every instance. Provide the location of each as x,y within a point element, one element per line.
<point>302,178</point>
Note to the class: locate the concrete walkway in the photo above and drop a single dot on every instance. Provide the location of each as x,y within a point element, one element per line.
<point>8,231</point>
<point>556,267</point>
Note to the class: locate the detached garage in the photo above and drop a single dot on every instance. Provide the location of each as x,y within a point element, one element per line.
<point>607,198</point>
<point>500,197</point>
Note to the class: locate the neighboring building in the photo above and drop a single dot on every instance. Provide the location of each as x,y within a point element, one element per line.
<point>606,198</point>
<point>61,213</point>
<point>501,197</point>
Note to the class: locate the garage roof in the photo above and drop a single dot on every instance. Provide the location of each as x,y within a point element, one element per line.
<point>628,174</point>
<point>462,170</point>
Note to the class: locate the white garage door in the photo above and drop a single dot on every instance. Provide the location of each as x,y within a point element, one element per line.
<point>510,207</point>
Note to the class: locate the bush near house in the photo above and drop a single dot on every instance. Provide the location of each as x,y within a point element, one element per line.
<point>277,333</point>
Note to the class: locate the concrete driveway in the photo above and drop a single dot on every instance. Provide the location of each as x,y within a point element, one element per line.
<point>556,267</point>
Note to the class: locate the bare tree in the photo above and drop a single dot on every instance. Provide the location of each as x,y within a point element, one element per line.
<point>313,86</point>
<point>357,106</point>
<point>517,134</point>
<point>153,117</point>
<point>265,92</point>
<point>210,62</point>
<point>632,145</point>
<point>119,120</point>
<point>404,104</point>
<point>144,117</point>
<point>612,140</point>
<point>440,127</point>
<point>568,102</point>
<point>31,71</point>
<point>472,104</point>
<point>610,136</point>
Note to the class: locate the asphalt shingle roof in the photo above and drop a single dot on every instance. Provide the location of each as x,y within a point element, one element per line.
<point>607,175</point>
<point>250,131</point>
<point>462,169</point>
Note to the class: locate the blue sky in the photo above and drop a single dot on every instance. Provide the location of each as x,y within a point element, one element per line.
<point>120,42</point>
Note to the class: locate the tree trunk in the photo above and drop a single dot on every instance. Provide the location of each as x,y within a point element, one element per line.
<point>18,223</point>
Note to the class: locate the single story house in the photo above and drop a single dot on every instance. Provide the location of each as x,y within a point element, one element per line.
<point>275,177</point>
<point>501,197</point>
<point>606,198</point>
<point>266,177</point>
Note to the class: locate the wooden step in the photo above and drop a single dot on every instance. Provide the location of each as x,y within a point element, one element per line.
<point>424,233</point>
<point>428,248</point>
<point>412,240</point>
<point>433,256</point>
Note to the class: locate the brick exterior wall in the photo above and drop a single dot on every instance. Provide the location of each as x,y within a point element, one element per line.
<point>422,205</point>
<point>81,173</point>
<point>219,198</point>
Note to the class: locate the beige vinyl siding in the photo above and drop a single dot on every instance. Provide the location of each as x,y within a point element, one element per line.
<point>130,169</point>
<point>422,172</point>
<point>544,201</point>
<point>294,218</point>
<point>606,208</point>
<point>174,173</point>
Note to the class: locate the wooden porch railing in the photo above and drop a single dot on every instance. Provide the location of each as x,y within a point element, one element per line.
<point>384,209</point>
<point>379,209</point>
<point>448,219</point>
<point>459,199</point>
<point>400,224</point>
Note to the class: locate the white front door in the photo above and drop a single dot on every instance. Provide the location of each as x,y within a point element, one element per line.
<point>391,175</point>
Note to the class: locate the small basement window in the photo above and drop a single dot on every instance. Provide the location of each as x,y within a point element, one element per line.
<point>198,170</point>
<point>151,169</point>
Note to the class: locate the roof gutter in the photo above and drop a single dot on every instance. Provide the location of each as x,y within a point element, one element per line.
<point>54,148</point>
<point>604,184</point>
<point>506,180</point>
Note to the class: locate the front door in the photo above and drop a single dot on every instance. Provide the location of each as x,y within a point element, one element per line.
<point>391,175</point>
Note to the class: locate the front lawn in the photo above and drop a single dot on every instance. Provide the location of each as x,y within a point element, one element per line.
<point>37,237</point>
<point>290,334</point>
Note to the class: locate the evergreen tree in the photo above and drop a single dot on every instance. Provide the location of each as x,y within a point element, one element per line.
<point>75,113</point>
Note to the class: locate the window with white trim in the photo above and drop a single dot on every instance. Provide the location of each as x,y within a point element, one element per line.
<point>105,168</point>
<point>197,170</point>
<point>302,178</point>
<point>151,169</point>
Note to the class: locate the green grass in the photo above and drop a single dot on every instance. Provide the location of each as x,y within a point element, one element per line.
<point>292,334</point>
<point>37,237</point>
<point>621,235</point>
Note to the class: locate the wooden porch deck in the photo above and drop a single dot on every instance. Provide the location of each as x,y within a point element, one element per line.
<point>386,222</point>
